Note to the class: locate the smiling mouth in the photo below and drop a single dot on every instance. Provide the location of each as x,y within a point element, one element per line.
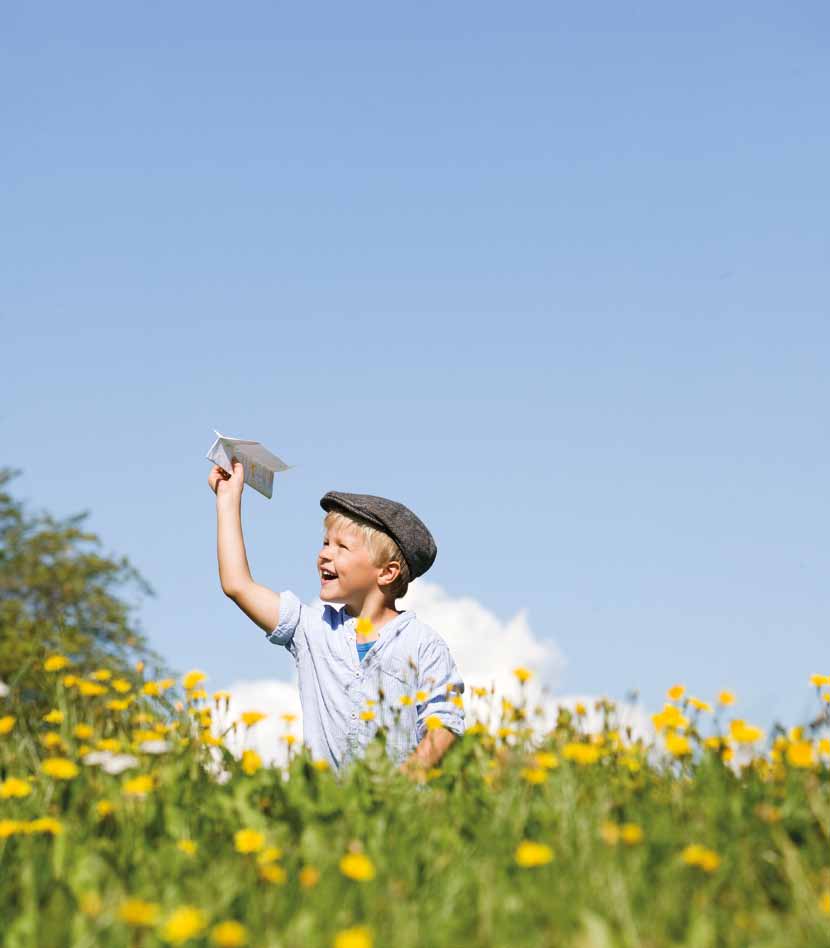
<point>326,576</point>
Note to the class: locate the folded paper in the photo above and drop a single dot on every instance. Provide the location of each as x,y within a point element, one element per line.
<point>258,464</point>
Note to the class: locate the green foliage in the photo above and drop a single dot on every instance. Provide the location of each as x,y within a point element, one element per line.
<point>60,593</point>
<point>445,852</point>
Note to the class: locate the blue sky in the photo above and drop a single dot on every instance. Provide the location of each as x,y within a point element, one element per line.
<point>555,278</point>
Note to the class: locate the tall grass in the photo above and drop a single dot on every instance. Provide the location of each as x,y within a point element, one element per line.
<point>521,837</point>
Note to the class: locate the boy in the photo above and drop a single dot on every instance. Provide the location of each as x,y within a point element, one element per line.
<point>366,664</point>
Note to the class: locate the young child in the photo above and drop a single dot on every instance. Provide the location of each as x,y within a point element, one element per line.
<point>366,664</point>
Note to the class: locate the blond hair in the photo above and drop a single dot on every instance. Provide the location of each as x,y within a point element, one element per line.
<point>382,548</point>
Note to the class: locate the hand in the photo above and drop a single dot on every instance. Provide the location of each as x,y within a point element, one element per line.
<point>414,769</point>
<point>227,485</point>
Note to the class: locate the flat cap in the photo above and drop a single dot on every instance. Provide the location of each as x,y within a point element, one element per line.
<point>395,520</point>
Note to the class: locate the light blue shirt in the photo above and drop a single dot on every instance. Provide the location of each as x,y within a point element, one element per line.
<point>335,686</point>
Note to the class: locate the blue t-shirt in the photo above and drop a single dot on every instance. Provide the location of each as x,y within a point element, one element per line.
<point>363,648</point>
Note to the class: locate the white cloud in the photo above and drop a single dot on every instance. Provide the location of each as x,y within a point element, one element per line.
<point>486,649</point>
<point>273,698</point>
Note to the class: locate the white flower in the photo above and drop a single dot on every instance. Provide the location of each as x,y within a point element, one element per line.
<point>4,689</point>
<point>155,747</point>
<point>111,763</point>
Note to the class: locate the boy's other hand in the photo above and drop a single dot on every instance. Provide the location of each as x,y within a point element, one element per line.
<point>227,485</point>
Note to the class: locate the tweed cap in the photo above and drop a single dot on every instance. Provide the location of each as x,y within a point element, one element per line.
<point>395,520</point>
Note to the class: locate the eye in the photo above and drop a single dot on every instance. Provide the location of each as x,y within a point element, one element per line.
<point>343,545</point>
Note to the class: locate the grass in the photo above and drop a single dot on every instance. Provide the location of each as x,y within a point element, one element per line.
<point>521,837</point>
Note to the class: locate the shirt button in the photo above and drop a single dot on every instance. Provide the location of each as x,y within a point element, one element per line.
<point>357,674</point>
<point>354,714</point>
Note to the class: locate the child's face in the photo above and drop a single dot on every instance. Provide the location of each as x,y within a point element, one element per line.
<point>344,555</point>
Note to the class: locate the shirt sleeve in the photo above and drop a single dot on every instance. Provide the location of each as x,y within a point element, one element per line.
<point>441,680</point>
<point>290,613</point>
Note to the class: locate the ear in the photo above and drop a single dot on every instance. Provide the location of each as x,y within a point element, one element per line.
<point>389,573</point>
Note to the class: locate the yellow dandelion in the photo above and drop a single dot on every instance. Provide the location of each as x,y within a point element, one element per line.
<point>609,832</point>
<point>82,731</point>
<point>111,744</point>
<point>583,754</point>
<point>288,717</point>
<point>699,705</point>
<point>193,678</point>
<point>104,808</point>
<point>726,698</point>
<point>522,673</point>
<point>546,759</point>
<point>745,733</point>
<point>697,855</point>
<point>357,866</point>
<point>248,841</point>
<point>405,700</point>
<point>138,786</point>
<point>53,717</point>
<point>119,704</point>
<point>363,626</point>
<point>309,877</point>
<point>251,762</point>
<point>55,663</point>
<point>101,674</point>
<point>90,689</point>
<point>819,680</point>
<point>10,828</point>
<point>421,696</point>
<point>273,872</point>
<point>187,846</point>
<point>530,854</point>
<point>121,685</point>
<point>824,902</point>
<point>250,718</point>
<point>678,745</point>
<point>801,754</point>
<point>229,934</point>
<point>14,787</point>
<point>367,715</point>
<point>676,692</point>
<point>631,834</point>
<point>321,764</point>
<point>433,722</point>
<point>151,688</point>
<point>670,717</point>
<point>44,824</point>
<point>7,723</point>
<point>52,740</point>
<point>138,913</point>
<point>221,696</point>
<point>69,681</point>
<point>269,854</point>
<point>60,768</point>
<point>185,923</point>
<point>359,936</point>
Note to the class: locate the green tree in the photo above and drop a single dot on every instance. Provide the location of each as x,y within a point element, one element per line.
<point>59,593</point>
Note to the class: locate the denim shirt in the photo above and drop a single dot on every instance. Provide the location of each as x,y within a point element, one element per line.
<point>336,688</point>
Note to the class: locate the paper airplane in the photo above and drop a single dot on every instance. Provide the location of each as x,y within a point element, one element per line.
<point>257,461</point>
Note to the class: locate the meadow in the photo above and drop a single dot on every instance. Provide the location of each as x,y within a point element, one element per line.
<point>126,821</point>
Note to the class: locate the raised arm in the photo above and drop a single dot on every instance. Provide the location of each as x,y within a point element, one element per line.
<point>260,604</point>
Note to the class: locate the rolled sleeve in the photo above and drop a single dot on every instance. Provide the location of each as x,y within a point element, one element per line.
<point>439,677</point>
<point>290,607</point>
